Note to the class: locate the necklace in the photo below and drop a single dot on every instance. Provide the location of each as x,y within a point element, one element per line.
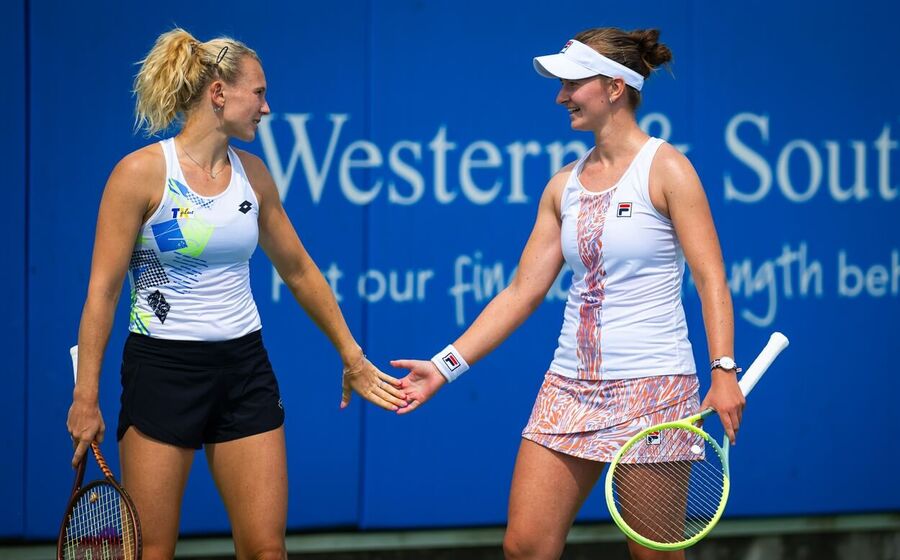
<point>197,163</point>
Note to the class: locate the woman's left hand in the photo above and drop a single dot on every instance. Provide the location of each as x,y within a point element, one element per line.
<point>726,397</point>
<point>373,385</point>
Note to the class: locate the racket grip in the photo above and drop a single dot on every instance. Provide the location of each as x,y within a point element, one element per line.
<point>777,343</point>
<point>101,461</point>
<point>73,351</point>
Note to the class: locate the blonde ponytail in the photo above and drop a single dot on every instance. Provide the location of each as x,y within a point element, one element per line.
<point>175,73</point>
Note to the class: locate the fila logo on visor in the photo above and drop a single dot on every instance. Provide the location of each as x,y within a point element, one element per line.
<point>565,48</point>
<point>624,210</point>
<point>451,361</point>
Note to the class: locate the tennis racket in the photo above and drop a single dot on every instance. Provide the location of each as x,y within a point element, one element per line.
<point>101,522</point>
<point>667,486</point>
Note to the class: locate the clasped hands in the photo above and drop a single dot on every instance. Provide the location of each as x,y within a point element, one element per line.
<point>399,395</point>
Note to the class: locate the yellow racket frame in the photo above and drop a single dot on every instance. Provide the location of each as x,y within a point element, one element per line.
<point>688,424</point>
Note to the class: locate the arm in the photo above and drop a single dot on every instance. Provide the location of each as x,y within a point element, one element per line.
<point>676,191</point>
<point>539,265</point>
<point>281,244</point>
<point>127,199</point>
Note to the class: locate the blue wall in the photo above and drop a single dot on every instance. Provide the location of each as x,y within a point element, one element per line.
<point>13,243</point>
<point>793,130</point>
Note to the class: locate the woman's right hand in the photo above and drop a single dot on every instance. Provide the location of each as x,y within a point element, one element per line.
<point>422,382</point>
<point>85,424</point>
<point>372,384</point>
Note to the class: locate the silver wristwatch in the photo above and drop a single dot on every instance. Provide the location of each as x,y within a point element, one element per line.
<point>725,362</point>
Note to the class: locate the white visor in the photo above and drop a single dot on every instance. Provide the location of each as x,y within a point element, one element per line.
<point>577,60</point>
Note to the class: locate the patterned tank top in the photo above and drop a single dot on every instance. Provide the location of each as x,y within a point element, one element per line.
<point>189,272</point>
<point>624,317</point>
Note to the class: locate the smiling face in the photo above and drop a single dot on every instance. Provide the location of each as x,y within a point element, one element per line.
<point>244,101</point>
<point>587,100</point>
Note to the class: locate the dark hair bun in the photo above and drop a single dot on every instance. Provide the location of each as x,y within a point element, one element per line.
<point>653,53</point>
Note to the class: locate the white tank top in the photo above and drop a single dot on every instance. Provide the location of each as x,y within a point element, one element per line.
<point>624,318</point>
<point>189,272</point>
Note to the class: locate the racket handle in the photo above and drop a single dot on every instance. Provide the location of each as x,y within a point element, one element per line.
<point>777,343</point>
<point>101,460</point>
<point>73,351</point>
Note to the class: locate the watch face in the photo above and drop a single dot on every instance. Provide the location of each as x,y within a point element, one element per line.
<point>726,363</point>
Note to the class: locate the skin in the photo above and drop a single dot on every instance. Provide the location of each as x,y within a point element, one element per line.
<point>155,473</point>
<point>548,487</point>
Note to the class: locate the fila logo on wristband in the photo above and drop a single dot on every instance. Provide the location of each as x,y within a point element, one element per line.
<point>450,363</point>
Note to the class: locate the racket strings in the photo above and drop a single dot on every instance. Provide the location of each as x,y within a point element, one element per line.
<point>665,522</point>
<point>670,490</point>
<point>704,498</point>
<point>654,521</point>
<point>697,493</point>
<point>679,512</point>
<point>705,479</point>
<point>99,527</point>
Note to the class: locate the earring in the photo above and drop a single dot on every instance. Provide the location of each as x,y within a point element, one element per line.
<point>218,108</point>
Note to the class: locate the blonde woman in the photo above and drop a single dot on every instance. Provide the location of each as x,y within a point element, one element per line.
<point>182,217</point>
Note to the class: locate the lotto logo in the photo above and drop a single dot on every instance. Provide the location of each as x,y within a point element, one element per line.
<point>624,210</point>
<point>451,361</point>
<point>245,206</point>
<point>654,438</point>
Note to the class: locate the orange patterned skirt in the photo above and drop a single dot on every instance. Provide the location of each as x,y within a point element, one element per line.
<point>593,419</point>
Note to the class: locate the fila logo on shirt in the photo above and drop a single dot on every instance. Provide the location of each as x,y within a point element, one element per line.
<point>623,210</point>
<point>654,438</point>
<point>182,213</point>
<point>451,361</point>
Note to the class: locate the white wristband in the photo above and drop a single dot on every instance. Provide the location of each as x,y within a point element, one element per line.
<point>450,363</point>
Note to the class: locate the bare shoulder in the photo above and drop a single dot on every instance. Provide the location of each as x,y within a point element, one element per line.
<point>255,167</point>
<point>671,169</point>
<point>258,174</point>
<point>561,177</point>
<point>555,186</point>
<point>142,172</point>
<point>251,162</point>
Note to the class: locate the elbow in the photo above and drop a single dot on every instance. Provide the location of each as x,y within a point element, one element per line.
<point>711,284</point>
<point>528,299</point>
<point>101,300</point>
<point>708,276</point>
<point>534,301</point>
<point>105,292</point>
